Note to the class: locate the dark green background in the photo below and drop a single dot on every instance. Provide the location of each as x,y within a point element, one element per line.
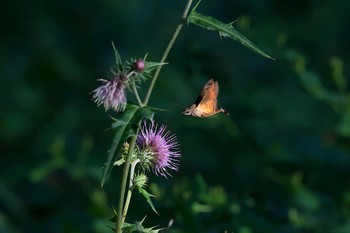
<point>279,163</point>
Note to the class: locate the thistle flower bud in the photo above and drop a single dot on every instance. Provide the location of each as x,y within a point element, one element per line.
<point>139,66</point>
<point>140,180</point>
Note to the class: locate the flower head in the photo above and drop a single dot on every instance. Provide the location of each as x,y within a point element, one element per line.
<point>158,149</point>
<point>111,93</point>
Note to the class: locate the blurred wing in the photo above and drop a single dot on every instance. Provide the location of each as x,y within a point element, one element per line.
<point>208,103</point>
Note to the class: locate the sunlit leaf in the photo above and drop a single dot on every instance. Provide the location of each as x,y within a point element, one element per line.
<point>224,30</point>
<point>123,127</point>
<point>119,162</point>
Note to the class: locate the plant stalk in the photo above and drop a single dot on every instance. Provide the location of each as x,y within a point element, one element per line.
<point>166,52</point>
<point>120,216</point>
<point>121,212</point>
<point>137,95</point>
<point>128,197</point>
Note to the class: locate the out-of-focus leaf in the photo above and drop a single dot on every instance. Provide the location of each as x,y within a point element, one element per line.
<point>344,228</point>
<point>337,66</point>
<point>41,173</point>
<point>124,127</point>
<point>224,30</point>
<point>344,126</point>
<point>311,82</point>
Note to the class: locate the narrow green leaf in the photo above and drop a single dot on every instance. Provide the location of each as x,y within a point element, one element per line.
<point>149,66</point>
<point>118,60</point>
<point>344,125</point>
<point>148,196</point>
<point>224,30</point>
<point>124,127</point>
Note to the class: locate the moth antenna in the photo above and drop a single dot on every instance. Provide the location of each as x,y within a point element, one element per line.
<point>174,117</point>
<point>178,105</point>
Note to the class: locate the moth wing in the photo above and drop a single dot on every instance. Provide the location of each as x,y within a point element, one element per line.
<point>208,104</point>
<point>204,92</point>
<point>207,108</point>
<point>199,99</point>
<point>210,90</point>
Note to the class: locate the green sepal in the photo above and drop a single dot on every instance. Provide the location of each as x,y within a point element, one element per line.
<point>224,30</point>
<point>124,127</point>
<point>150,66</point>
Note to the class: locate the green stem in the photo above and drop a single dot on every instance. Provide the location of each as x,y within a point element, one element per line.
<point>121,212</point>
<point>166,52</point>
<point>135,89</point>
<point>120,216</point>
<point>137,95</point>
<point>128,197</point>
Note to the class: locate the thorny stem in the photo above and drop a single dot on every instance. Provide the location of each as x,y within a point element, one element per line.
<point>120,216</point>
<point>166,52</point>
<point>128,197</point>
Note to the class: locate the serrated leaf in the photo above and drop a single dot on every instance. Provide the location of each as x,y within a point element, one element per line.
<point>137,226</point>
<point>124,127</point>
<point>224,30</point>
<point>148,196</point>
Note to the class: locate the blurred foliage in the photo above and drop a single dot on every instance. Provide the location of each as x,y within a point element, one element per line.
<point>279,163</point>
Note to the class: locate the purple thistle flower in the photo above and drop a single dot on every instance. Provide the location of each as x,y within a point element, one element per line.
<point>159,149</point>
<point>111,94</point>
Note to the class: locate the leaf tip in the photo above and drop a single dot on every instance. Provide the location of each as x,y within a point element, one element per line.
<point>195,7</point>
<point>273,59</point>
